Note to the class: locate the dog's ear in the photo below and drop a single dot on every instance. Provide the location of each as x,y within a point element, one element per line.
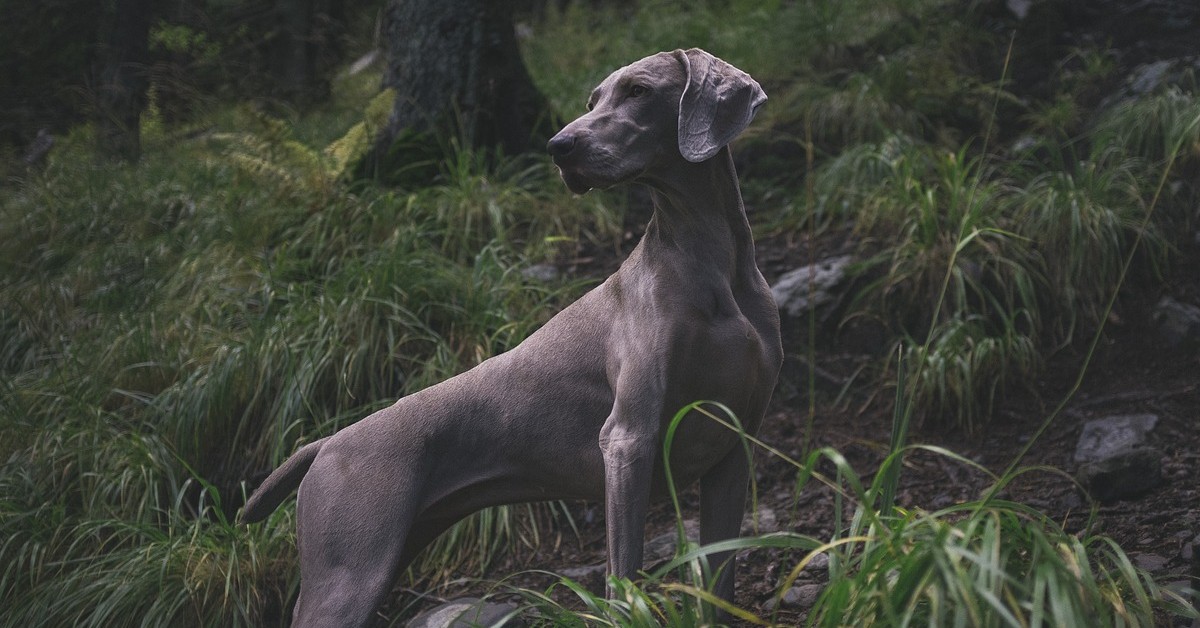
<point>718,103</point>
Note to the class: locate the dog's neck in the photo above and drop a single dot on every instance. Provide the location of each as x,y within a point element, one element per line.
<point>698,210</point>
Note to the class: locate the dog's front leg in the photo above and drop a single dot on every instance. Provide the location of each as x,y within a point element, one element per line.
<point>628,464</point>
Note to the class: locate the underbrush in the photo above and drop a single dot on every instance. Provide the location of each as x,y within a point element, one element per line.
<point>174,328</point>
<point>986,562</point>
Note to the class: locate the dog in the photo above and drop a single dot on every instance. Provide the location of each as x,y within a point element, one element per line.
<point>579,409</point>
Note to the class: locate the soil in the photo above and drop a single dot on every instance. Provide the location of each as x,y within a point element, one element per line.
<point>1133,371</point>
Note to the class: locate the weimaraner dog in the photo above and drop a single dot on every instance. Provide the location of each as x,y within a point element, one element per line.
<point>579,409</point>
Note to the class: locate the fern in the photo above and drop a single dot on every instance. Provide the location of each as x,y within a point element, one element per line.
<point>274,155</point>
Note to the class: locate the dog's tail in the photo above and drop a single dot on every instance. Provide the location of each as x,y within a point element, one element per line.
<point>281,483</point>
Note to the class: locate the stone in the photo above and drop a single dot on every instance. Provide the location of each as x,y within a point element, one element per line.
<point>1178,323</point>
<point>800,290</point>
<point>662,547</point>
<point>1147,77</point>
<point>1109,436</point>
<point>1126,475</point>
<point>761,522</point>
<point>582,574</point>
<point>1150,562</point>
<point>818,562</point>
<point>467,612</point>
<point>802,597</point>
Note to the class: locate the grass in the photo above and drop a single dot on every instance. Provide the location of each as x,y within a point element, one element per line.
<point>175,327</point>
<point>980,563</point>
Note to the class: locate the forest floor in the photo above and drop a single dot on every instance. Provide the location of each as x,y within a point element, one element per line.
<point>1133,371</point>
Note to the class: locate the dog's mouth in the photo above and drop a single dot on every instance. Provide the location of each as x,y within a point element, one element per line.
<point>576,182</point>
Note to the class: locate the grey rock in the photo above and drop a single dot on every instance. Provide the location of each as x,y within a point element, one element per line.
<point>466,612</point>
<point>1126,475</point>
<point>764,519</point>
<point>587,572</point>
<point>802,597</point>
<point>819,562</point>
<point>817,569</point>
<point>1150,562</point>
<point>1178,323</point>
<point>1147,77</point>
<point>800,290</point>
<point>662,547</point>
<point>1113,435</point>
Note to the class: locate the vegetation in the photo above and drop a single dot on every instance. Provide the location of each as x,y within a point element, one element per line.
<point>981,563</point>
<point>172,328</point>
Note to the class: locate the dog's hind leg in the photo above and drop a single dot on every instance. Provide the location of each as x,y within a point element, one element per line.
<point>722,502</point>
<point>351,542</point>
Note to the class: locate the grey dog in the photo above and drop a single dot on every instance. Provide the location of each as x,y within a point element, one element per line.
<point>579,409</point>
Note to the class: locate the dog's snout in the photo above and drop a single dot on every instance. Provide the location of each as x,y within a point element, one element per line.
<point>561,145</point>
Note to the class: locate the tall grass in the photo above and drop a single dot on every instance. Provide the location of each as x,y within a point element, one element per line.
<point>176,327</point>
<point>1026,244</point>
<point>173,328</point>
<point>979,563</point>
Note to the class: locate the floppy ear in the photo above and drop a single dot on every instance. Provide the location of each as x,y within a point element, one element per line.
<point>718,103</point>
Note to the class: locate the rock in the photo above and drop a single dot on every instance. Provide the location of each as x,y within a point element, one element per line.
<point>800,290</point>
<point>582,574</point>
<point>819,562</point>
<point>1150,562</point>
<point>1109,436</point>
<point>762,522</point>
<point>1126,475</point>
<point>662,547</point>
<point>802,597</point>
<point>545,273</point>
<point>817,569</point>
<point>1178,323</point>
<point>465,613</point>
<point>1147,77</point>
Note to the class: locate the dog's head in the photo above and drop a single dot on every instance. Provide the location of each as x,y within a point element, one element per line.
<point>685,104</point>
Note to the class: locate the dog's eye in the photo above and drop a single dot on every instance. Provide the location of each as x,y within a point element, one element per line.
<point>638,90</point>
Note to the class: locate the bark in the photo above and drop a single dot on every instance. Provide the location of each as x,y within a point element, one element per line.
<point>122,79</point>
<point>456,68</point>
<point>306,43</point>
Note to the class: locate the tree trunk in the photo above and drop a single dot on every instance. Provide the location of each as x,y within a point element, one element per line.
<point>457,70</point>
<point>122,79</point>
<point>306,43</point>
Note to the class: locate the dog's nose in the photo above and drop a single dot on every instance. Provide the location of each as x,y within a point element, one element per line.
<point>561,145</point>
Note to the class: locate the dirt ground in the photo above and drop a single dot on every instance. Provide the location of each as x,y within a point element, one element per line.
<point>1133,371</point>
